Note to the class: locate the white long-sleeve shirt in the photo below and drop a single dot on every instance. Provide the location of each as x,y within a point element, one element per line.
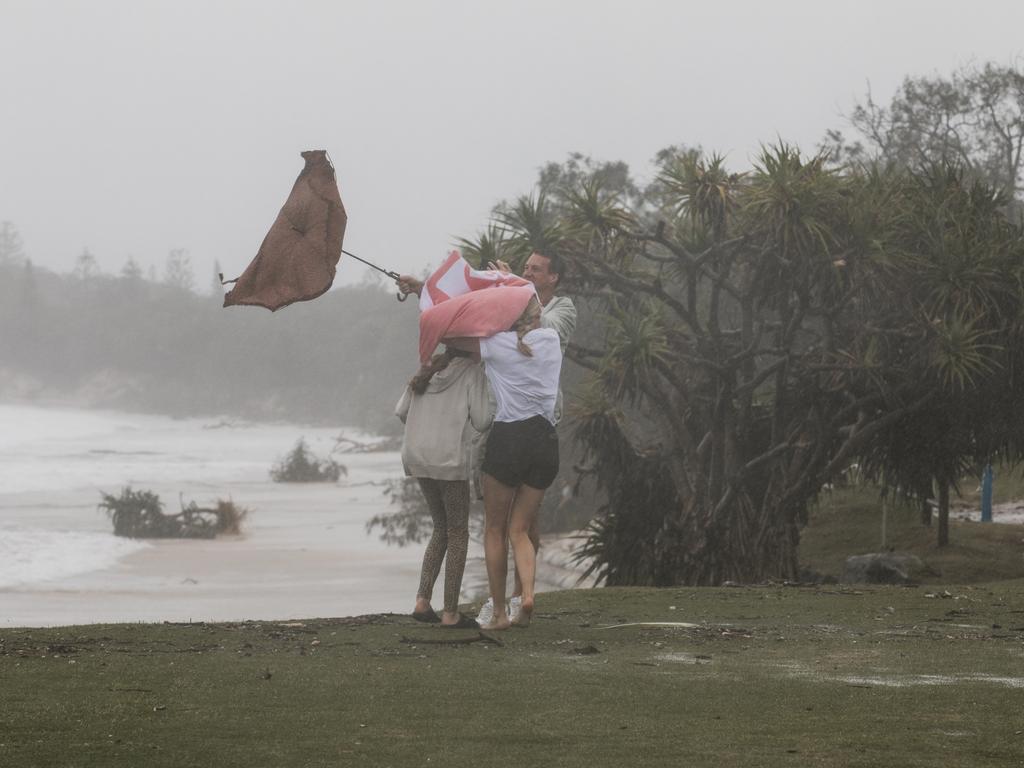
<point>523,386</point>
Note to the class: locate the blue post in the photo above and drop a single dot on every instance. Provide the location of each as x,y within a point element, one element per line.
<point>986,494</point>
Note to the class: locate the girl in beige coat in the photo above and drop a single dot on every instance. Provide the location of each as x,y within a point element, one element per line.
<point>445,407</point>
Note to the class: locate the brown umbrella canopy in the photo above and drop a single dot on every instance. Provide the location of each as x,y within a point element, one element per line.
<point>297,259</point>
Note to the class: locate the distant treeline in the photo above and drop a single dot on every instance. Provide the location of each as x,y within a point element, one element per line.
<point>127,342</point>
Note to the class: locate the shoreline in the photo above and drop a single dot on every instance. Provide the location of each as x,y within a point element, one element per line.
<point>304,549</point>
<point>232,579</point>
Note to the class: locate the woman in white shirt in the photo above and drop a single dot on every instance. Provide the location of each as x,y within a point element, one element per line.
<point>521,457</point>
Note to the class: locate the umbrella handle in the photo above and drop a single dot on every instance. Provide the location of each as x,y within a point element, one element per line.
<point>401,296</point>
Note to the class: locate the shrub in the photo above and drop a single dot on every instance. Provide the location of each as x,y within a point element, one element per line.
<point>140,515</point>
<point>230,516</point>
<point>410,523</point>
<point>301,466</point>
<point>136,514</point>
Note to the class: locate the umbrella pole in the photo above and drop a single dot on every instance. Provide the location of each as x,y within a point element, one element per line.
<point>393,275</point>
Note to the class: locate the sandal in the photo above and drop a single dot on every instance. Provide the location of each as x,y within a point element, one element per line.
<point>427,617</point>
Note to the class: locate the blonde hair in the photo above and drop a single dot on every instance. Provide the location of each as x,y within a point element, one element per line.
<point>526,323</point>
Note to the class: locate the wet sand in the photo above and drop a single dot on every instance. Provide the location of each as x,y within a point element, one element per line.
<point>304,553</point>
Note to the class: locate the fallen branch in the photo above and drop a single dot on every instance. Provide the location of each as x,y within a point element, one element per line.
<point>480,638</point>
<point>683,624</point>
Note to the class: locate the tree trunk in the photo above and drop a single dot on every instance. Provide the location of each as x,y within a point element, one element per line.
<point>926,512</point>
<point>747,542</point>
<point>943,513</point>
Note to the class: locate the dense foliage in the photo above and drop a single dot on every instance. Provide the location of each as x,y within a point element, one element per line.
<point>752,334</point>
<point>973,117</point>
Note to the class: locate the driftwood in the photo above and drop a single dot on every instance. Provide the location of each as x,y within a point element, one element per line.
<point>344,444</point>
<point>140,515</point>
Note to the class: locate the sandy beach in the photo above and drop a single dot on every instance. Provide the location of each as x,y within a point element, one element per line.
<point>304,551</point>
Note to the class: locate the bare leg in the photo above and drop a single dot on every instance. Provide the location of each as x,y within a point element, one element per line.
<point>517,588</point>
<point>497,501</point>
<point>522,519</point>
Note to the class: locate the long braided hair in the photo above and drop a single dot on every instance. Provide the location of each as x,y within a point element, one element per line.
<point>526,323</point>
<point>418,383</point>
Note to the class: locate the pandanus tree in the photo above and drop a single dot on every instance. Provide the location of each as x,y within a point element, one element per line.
<point>751,335</point>
<point>965,264</point>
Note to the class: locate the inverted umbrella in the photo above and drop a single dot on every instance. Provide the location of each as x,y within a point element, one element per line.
<point>298,257</point>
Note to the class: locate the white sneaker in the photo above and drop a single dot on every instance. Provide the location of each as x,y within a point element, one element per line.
<point>515,607</point>
<point>486,613</point>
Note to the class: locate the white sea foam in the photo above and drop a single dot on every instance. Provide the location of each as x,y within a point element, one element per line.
<point>32,555</point>
<point>52,450</point>
<point>55,463</point>
<point>304,549</point>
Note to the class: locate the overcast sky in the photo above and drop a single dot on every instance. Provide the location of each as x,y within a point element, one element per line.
<point>132,128</point>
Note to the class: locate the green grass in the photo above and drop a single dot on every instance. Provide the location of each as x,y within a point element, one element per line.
<point>765,676</point>
<point>1007,486</point>
<point>769,676</point>
<point>849,522</point>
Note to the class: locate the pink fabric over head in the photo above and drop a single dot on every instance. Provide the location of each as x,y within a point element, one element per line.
<point>455,277</point>
<point>477,314</point>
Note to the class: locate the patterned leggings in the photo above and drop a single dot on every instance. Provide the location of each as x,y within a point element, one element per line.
<point>448,501</point>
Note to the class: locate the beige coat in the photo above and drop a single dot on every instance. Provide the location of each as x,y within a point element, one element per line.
<point>443,425</point>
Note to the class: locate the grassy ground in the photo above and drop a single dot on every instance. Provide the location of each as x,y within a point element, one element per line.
<point>765,676</point>
<point>749,676</point>
<point>849,522</point>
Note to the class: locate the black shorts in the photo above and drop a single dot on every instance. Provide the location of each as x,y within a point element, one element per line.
<point>522,453</point>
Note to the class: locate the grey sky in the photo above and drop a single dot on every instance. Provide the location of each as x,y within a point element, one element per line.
<point>132,128</point>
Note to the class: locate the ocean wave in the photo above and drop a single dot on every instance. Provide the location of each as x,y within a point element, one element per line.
<point>33,555</point>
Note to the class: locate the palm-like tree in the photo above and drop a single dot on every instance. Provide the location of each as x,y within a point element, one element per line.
<point>775,327</point>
